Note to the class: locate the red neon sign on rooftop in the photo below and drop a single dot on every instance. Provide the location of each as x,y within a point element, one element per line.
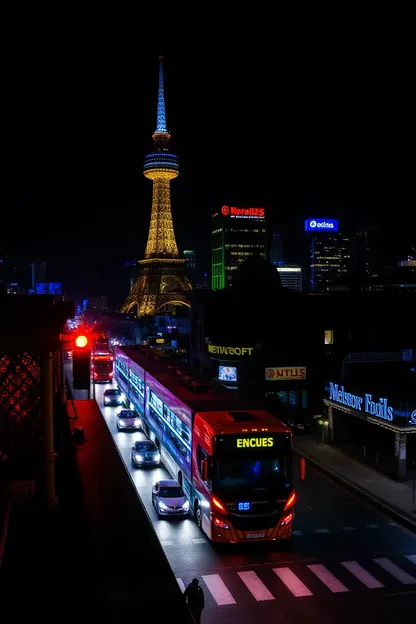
<point>242,212</point>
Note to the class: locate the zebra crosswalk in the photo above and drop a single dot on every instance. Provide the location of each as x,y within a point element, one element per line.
<point>268,582</point>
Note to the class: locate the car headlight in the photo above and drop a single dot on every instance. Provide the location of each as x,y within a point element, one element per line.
<point>122,423</point>
<point>137,422</point>
<point>138,458</point>
<point>163,506</point>
<point>185,506</point>
<point>157,457</point>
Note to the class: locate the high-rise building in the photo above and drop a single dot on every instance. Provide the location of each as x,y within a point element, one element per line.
<point>329,256</point>
<point>290,276</point>
<point>190,265</point>
<point>236,234</point>
<point>38,273</point>
<point>162,284</point>
<point>276,249</point>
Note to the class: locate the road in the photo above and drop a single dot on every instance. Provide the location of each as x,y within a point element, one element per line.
<point>346,563</point>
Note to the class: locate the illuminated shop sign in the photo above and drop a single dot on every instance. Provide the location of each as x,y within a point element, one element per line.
<point>364,403</point>
<point>243,213</point>
<point>321,225</point>
<point>217,350</point>
<point>255,442</point>
<point>413,418</point>
<point>286,373</point>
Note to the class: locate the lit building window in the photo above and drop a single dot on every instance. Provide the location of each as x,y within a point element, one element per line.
<point>329,336</point>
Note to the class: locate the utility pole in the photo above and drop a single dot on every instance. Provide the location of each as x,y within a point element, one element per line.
<point>46,381</point>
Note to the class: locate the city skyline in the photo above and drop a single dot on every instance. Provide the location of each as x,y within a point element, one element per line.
<point>75,185</point>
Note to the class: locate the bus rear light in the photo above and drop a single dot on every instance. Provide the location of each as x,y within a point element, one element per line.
<point>290,501</point>
<point>287,519</point>
<point>218,504</point>
<point>220,524</point>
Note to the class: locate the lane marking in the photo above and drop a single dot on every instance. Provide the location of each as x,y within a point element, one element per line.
<point>218,589</point>
<point>393,524</point>
<point>307,507</point>
<point>199,540</point>
<point>348,528</point>
<point>322,531</point>
<point>372,526</point>
<point>181,584</point>
<point>297,533</point>
<point>292,582</point>
<point>411,558</point>
<point>255,586</point>
<point>328,578</point>
<point>394,570</point>
<point>361,574</point>
<point>167,543</point>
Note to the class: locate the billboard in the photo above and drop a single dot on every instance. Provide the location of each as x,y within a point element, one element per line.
<point>321,225</point>
<point>243,213</point>
<point>49,288</point>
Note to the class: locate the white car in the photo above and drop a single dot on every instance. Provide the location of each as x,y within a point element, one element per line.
<point>169,499</point>
<point>128,420</point>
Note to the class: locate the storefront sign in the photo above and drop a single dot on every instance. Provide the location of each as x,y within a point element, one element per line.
<point>255,442</point>
<point>217,350</point>
<point>246,213</point>
<point>286,373</point>
<point>364,403</point>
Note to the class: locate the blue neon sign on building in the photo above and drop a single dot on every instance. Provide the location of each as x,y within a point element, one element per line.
<point>321,225</point>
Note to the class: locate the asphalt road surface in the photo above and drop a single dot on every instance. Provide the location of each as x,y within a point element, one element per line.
<point>347,562</point>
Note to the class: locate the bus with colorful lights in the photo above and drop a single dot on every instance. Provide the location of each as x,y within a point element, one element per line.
<point>102,366</point>
<point>235,464</point>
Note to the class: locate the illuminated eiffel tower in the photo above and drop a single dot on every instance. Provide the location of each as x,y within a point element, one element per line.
<point>162,284</point>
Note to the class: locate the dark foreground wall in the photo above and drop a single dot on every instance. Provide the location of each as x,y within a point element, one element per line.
<point>133,576</point>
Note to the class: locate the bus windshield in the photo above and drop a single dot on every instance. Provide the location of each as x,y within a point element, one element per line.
<point>251,473</point>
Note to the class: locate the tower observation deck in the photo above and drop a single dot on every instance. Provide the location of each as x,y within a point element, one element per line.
<point>162,284</point>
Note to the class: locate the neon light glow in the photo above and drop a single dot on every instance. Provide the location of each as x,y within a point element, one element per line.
<point>365,403</point>
<point>252,213</point>
<point>321,225</point>
<point>161,127</point>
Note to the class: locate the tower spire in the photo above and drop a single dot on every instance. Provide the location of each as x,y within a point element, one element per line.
<point>161,127</point>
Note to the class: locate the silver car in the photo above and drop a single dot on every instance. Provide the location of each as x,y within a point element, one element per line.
<point>144,453</point>
<point>169,499</point>
<point>128,420</point>
<point>113,396</point>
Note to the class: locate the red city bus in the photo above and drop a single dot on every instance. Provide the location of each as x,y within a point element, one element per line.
<point>102,367</point>
<point>234,463</point>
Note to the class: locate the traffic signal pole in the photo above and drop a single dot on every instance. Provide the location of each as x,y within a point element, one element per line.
<point>46,383</point>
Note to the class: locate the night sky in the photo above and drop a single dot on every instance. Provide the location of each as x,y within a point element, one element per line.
<point>303,125</point>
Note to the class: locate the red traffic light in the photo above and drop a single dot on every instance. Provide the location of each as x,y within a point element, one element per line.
<point>81,341</point>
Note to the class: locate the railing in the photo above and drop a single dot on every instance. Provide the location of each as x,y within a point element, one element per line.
<point>406,355</point>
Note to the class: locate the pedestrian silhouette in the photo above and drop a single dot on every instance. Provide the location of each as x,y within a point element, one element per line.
<point>194,596</point>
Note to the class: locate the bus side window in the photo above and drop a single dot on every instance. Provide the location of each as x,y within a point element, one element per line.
<point>201,455</point>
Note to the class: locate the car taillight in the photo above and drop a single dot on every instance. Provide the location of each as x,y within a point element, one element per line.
<point>290,501</point>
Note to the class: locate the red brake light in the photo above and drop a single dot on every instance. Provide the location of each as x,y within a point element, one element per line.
<point>218,504</point>
<point>290,501</point>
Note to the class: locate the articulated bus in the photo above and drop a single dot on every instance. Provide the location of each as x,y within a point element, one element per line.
<point>234,464</point>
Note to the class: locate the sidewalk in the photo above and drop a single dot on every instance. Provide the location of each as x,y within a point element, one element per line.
<point>393,497</point>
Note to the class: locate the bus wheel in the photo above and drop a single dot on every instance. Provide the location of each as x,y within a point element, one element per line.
<point>198,515</point>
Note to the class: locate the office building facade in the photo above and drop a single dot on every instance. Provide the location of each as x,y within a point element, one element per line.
<point>236,234</point>
<point>290,276</point>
